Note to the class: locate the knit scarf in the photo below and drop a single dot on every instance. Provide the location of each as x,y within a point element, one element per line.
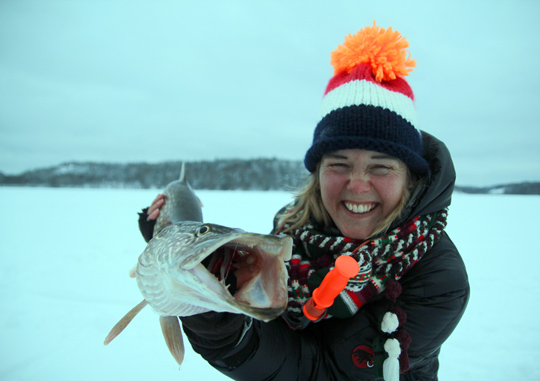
<point>380,260</point>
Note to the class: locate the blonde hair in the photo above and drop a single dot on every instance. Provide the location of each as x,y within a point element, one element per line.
<point>309,206</point>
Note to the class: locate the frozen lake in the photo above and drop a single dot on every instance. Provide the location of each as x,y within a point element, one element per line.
<point>64,283</point>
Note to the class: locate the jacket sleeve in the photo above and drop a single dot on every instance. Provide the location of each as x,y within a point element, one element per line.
<point>322,351</point>
<point>272,351</point>
<point>435,296</point>
<point>216,335</point>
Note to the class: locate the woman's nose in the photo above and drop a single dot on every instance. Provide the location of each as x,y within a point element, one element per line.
<point>358,183</point>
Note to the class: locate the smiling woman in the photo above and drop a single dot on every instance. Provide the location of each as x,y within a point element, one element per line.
<point>378,192</point>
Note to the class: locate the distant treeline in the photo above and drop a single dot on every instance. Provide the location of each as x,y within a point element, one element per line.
<point>231,174</point>
<point>516,188</point>
<point>256,174</point>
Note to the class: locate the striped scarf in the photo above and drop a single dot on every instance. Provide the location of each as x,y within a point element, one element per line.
<point>380,259</point>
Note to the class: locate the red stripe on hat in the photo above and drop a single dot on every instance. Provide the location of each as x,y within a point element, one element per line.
<point>363,71</point>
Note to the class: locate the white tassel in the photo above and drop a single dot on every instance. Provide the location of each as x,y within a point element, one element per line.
<point>390,322</point>
<point>391,364</point>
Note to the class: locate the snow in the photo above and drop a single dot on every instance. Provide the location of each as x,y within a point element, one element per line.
<point>65,256</point>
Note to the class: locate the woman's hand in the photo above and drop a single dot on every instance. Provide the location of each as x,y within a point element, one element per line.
<point>154,209</point>
<point>147,218</point>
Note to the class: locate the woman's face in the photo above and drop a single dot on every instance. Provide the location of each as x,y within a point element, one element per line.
<point>360,189</point>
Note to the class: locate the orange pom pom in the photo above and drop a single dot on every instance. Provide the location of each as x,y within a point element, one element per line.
<point>385,50</point>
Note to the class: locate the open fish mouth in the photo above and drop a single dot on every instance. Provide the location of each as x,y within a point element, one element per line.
<point>249,272</point>
<point>252,273</point>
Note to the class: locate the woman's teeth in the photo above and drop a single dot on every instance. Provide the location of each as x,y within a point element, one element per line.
<point>359,208</point>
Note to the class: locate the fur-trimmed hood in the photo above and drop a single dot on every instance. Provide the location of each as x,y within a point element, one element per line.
<point>435,193</point>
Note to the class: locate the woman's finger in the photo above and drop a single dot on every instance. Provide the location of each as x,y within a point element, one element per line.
<point>157,204</point>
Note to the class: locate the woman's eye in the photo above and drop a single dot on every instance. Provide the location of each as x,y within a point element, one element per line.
<point>380,170</point>
<point>338,166</point>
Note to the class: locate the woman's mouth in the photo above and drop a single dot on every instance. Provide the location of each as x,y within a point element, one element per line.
<point>359,208</point>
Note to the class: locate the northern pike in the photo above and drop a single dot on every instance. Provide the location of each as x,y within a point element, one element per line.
<point>188,268</point>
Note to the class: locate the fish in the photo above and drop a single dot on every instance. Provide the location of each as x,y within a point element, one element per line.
<point>191,267</point>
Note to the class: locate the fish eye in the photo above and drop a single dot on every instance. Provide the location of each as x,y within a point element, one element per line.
<point>203,230</point>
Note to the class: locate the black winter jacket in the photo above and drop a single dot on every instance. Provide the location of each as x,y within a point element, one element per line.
<point>434,296</point>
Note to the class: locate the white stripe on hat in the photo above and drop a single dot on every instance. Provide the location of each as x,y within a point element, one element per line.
<point>362,92</point>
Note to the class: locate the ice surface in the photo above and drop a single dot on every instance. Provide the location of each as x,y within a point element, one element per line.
<point>66,253</point>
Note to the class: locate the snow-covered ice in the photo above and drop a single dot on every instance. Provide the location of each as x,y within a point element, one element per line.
<point>65,256</point>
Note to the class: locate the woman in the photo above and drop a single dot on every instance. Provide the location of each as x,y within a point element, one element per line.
<point>379,190</point>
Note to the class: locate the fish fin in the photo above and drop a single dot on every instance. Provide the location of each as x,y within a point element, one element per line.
<point>200,202</point>
<point>123,323</point>
<point>170,326</point>
<point>182,177</point>
<point>132,272</point>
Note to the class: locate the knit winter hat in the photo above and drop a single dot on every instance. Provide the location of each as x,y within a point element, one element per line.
<point>367,103</point>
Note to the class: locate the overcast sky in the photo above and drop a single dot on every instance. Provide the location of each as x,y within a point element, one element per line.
<point>132,81</point>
